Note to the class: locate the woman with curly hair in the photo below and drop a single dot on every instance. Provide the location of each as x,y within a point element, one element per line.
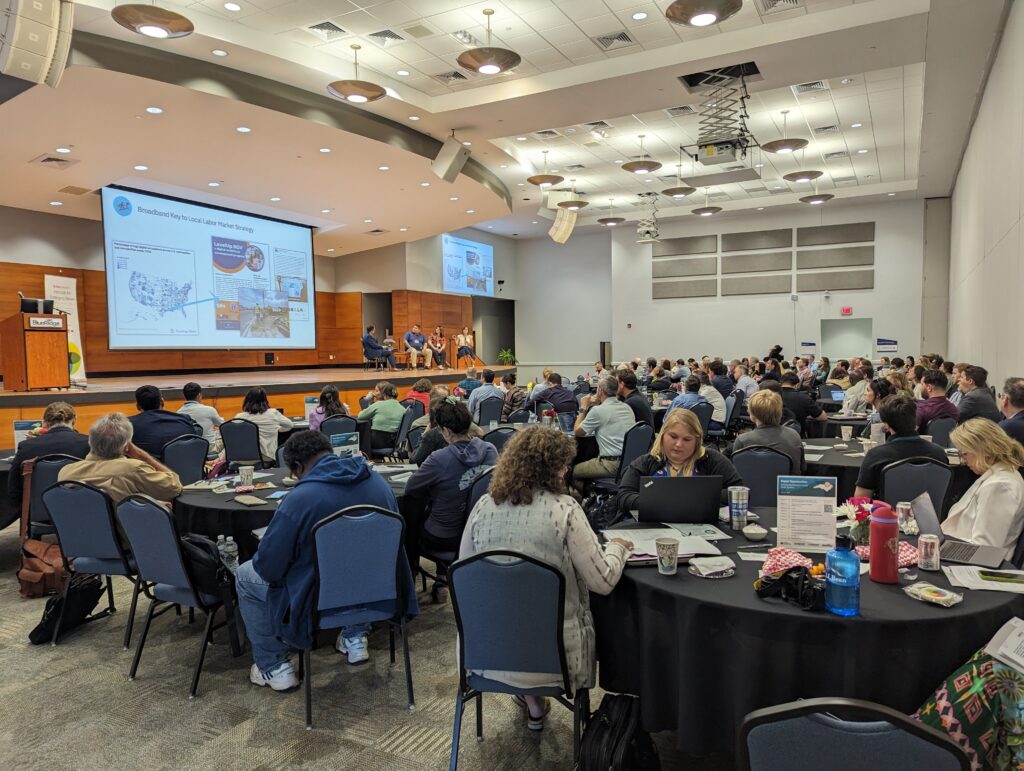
<point>527,510</point>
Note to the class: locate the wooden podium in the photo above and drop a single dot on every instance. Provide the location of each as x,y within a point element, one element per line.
<point>35,351</point>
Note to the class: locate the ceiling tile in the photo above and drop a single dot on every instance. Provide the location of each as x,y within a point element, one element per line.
<point>566,33</point>
<point>600,25</point>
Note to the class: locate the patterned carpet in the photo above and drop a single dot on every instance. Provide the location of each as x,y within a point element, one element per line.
<point>72,707</point>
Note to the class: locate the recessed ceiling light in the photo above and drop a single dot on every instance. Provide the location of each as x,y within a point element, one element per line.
<point>856,125</point>
<point>56,203</point>
<point>140,167</point>
<point>861,152</point>
<point>760,208</point>
<point>402,230</point>
<point>232,7</point>
<point>325,149</point>
<point>534,222</point>
<point>213,184</point>
<point>490,227</point>
<point>414,117</point>
<point>367,221</point>
<point>892,194</point>
<point>276,198</point>
<point>639,16</point>
<point>504,165</point>
<point>325,211</point>
<point>424,184</point>
<point>777,187</point>
<point>243,130</point>
<point>467,143</point>
<point>520,139</point>
<point>219,52</point>
<point>470,211</point>
<point>619,160</point>
<point>330,250</point>
<point>403,73</point>
<point>154,110</point>
<point>383,168</point>
<point>454,198</point>
<point>63,149</point>
<point>520,184</point>
<point>758,165</point>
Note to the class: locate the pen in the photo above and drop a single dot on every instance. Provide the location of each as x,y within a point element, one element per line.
<point>758,546</point>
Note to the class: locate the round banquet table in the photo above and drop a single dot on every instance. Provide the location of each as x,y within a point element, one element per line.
<point>8,511</point>
<point>835,422</point>
<point>703,653</point>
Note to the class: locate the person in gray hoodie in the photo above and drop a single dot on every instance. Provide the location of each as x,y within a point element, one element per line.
<point>443,481</point>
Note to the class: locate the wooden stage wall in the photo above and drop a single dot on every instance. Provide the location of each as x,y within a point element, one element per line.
<point>339,327</point>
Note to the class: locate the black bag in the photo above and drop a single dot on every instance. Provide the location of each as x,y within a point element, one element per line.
<point>614,740</point>
<point>202,561</point>
<point>602,510</point>
<point>83,594</point>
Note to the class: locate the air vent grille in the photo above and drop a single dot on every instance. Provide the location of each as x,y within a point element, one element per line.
<point>837,155</point>
<point>597,124</point>
<point>575,167</point>
<point>768,7</point>
<point>376,232</point>
<point>418,31</point>
<point>74,190</point>
<point>613,40</point>
<point>546,133</point>
<point>821,131</point>
<point>327,30</point>
<point>452,76</point>
<point>684,109</point>
<point>810,87</point>
<point>386,37</point>
<point>54,162</point>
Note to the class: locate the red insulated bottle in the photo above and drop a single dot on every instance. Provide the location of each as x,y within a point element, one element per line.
<point>885,541</point>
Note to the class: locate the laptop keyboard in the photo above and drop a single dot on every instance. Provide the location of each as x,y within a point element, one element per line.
<point>955,550</point>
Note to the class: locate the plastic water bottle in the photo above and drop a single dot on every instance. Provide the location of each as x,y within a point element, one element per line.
<point>220,546</point>
<point>842,578</point>
<point>230,555</point>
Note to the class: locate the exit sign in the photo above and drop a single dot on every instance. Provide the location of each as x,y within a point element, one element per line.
<point>846,310</point>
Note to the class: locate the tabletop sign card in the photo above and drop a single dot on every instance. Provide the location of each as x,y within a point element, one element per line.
<point>22,429</point>
<point>806,513</point>
<point>345,444</point>
<point>311,403</point>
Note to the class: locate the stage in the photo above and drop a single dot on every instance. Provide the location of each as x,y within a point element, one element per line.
<point>287,390</point>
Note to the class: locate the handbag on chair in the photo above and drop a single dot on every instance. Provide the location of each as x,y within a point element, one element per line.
<point>41,570</point>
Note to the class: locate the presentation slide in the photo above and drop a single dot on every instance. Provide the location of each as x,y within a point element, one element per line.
<point>468,266</point>
<point>185,275</point>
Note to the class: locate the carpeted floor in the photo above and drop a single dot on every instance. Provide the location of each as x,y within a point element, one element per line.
<point>72,706</point>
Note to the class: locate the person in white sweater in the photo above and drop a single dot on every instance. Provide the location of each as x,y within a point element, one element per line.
<point>991,512</point>
<point>527,510</point>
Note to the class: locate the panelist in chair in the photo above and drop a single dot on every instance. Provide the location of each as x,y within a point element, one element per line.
<point>415,345</point>
<point>154,426</point>
<point>374,351</point>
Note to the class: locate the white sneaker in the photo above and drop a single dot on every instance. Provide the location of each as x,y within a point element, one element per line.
<point>281,678</point>
<point>355,647</point>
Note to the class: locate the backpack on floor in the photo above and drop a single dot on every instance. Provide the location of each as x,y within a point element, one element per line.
<point>614,739</point>
<point>82,596</point>
<point>602,510</point>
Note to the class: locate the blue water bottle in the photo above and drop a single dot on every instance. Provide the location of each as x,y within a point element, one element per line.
<point>842,578</point>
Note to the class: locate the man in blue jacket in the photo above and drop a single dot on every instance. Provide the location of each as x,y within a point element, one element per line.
<point>275,588</point>
<point>374,351</point>
<point>415,345</point>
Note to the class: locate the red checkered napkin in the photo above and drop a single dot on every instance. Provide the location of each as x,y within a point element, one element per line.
<point>781,558</point>
<point>906,555</point>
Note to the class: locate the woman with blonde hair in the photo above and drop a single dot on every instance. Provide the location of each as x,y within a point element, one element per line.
<point>899,380</point>
<point>678,451</point>
<point>991,512</point>
<point>526,509</point>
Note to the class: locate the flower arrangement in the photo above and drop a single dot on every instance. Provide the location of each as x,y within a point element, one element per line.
<point>388,342</point>
<point>458,392</point>
<point>858,511</point>
<point>548,414</point>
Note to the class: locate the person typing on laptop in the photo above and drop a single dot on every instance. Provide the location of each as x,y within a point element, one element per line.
<point>991,512</point>
<point>678,450</point>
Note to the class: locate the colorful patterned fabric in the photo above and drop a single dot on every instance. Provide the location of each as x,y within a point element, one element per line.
<point>981,707</point>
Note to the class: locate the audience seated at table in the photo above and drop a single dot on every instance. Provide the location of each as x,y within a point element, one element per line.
<point>385,415</point>
<point>953,392</point>
<point>515,396</point>
<point>853,400</point>
<point>57,437</point>
<point>899,381</point>
<point>774,354</point>
<point>976,400</point>
<point>690,395</point>
<point>678,450</point>
<point>527,510</point>
<point>935,404</point>
<point>822,370</point>
<point>486,390</point>
<point>432,438</point>
<point>720,379</point>
<point>605,418</point>
<point>800,404</point>
<point>256,409</point>
<point>771,370</point>
<point>120,468</point>
<point>416,346</point>
<point>839,377</point>
<point>804,373</point>
<point>154,426</point>
<point>991,512</point>
<point>915,376</point>
<point>876,390</point>
<point>205,416</point>
<point>435,505</point>
<point>714,397</point>
<point>330,405</point>
<point>899,421</point>
<point>275,587</point>
<point>744,382</point>
<point>560,397</point>
<point>634,399</point>
<point>765,408</point>
<point>1011,405</point>
<point>374,351</point>
<point>469,383</point>
<point>437,392</point>
<point>420,392</point>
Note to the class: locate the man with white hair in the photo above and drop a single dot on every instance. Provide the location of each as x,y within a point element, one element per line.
<point>607,419</point>
<point>118,467</point>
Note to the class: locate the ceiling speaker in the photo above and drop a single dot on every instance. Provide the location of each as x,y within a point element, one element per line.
<point>450,160</point>
<point>565,221</point>
<point>35,37</point>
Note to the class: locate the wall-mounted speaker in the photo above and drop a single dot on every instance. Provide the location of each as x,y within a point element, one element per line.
<point>450,160</point>
<point>565,221</point>
<point>35,38</point>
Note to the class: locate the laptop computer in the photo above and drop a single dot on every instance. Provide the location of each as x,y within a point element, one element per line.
<point>684,500</point>
<point>953,551</point>
<point>838,394</point>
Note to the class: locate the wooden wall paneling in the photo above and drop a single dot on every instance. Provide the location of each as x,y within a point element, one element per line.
<point>219,359</point>
<point>348,320</point>
<point>326,333</point>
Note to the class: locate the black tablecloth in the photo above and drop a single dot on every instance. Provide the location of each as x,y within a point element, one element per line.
<point>8,512</point>
<point>836,463</point>
<point>702,653</point>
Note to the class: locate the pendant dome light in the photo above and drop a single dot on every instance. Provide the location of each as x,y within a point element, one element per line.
<point>488,60</point>
<point>818,198</point>
<point>705,210</point>
<point>611,220</point>
<point>643,166</point>
<point>152,21</point>
<point>701,13</point>
<point>805,175</point>
<point>786,145</point>
<point>545,179</point>
<point>355,90</point>
<point>575,203</point>
<point>680,191</point>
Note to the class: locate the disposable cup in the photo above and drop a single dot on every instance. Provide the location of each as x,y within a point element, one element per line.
<point>245,475</point>
<point>847,432</point>
<point>668,555</point>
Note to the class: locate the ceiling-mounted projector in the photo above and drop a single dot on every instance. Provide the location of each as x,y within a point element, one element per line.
<point>715,153</point>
